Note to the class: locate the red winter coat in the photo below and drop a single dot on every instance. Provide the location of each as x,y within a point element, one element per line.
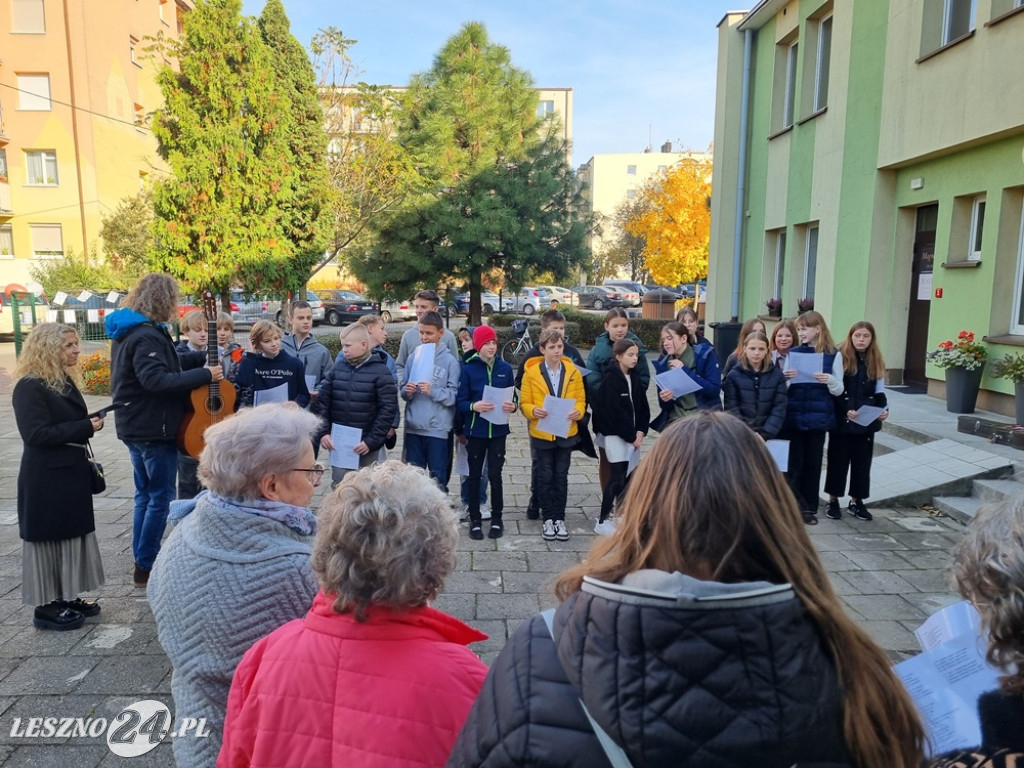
<point>327,690</point>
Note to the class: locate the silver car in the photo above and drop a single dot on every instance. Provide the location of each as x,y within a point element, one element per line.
<point>316,306</point>
<point>527,301</point>
<point>253,308</point>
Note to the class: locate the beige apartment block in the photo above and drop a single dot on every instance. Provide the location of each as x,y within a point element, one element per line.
<point>612,179</point>
<point>76,87</point>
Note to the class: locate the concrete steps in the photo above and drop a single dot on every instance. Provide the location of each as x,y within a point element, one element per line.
<point>983,491</point>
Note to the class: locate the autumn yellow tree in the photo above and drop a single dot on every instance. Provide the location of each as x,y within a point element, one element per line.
<point>675,222</point>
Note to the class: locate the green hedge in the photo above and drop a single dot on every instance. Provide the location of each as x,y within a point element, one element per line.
<point>333,343</point>
<point>584,328</point>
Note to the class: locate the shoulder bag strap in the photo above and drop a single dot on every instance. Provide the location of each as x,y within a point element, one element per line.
<point>616,754</point>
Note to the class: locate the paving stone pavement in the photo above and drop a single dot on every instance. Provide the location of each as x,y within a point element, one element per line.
<point>889,573</point>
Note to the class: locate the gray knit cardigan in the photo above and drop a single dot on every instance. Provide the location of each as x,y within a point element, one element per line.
<point>223,580</point>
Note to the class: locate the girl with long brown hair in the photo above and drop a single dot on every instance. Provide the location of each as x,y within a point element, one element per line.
<point>703,631</point>
<point>851,445</point>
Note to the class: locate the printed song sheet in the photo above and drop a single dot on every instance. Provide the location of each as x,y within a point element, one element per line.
<point>422,366</point>
<point>344,455</point>
<point>779,449</point>
<point>497,395</point>
<point>677,381</point>
<point>557,421</point>
<point>806,365</point>
<point>278,394</point>
<point>867,414</point>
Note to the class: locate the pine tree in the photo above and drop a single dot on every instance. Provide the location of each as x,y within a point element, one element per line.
<point>223,132</point>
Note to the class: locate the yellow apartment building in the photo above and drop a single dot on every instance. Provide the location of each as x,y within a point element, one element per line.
<point>76,86</point>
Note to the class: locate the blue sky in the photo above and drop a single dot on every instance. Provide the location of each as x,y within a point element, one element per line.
<point>638,68</point>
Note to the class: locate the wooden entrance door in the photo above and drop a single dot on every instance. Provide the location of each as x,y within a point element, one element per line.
<point>920,296</point>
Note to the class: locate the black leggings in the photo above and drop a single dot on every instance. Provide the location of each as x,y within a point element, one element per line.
<point>615,487</point>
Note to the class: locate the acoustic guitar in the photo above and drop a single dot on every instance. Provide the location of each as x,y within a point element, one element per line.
<point>210,403</point>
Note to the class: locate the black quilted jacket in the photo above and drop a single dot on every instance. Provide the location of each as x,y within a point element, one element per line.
<point>759,398</point>
<point>738,679</point>
<point>363,396</point>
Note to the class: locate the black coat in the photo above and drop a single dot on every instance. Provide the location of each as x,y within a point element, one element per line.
<point>364,396</point>
<point>858,390</point>
<point>613,414</point>
<point>55,481</point>
<point>759,398</point>
<point>145,372</point>
<point>674,684</point>
<point>1002,738</point>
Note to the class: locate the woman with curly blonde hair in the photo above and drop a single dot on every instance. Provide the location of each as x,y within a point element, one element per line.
<point>372,675</point>
<point>60,555</point>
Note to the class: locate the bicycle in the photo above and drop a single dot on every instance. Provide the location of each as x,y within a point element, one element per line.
<point>516,350</point>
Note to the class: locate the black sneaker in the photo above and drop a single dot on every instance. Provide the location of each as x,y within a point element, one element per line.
<point>476,532</point>
<point>84,607</point>
<point>833,512</point>
<point>858,510</point>
<point>54,616</point>
<point>141,577</point>
<point>496,531</point>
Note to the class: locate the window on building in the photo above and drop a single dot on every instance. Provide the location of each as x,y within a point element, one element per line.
<point>34,92</point>
<point>821,69</point>
<point>3,165</point>
<point>631,170</point>
<point>47,241</point>
<point>944,22</point>
<point>662,168</point>
<point>41,167</point>
<point>779,269</point>
<point>133,50</point>
<point>784,83</point>
<point>545,108</point>
<point>631,194</point>
<point>140,115</point>
<point>27,17</point>
<point>164,11</point>
<point>1017,322</point>
<point>789,104</point>
<point>977,228</point>
<point>810,261</point>
<point>6,242</point>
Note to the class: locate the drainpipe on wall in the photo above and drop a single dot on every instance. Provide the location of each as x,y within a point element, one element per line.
<point>74,133</point>
<point>741,175</point>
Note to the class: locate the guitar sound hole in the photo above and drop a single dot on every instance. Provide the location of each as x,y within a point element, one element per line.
<point>214,404</point>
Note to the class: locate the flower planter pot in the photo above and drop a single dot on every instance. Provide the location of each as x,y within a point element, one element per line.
<point>962,388</point>
<point>1018,401</point>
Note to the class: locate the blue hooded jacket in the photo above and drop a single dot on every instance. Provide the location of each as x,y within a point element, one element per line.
<point>475,375</point>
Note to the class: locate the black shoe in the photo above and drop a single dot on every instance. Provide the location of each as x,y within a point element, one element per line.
<point>141,577</point>
<point>476,532</point>
<point>834,512</point>
<point>810,518</point>
<point>497,530</point>
<point>84,607</point>
<point>858,510</point>
<point>54,616</point>
<point>532,513</point>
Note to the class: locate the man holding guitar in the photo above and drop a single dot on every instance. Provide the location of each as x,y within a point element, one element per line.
<point>147,376</point>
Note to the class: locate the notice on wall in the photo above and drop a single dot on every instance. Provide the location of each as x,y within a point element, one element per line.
<point>924,286</point>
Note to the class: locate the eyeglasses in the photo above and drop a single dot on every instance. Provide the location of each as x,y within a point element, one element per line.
<point>316,472</point>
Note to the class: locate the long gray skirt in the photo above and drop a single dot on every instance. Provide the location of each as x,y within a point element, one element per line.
<point>60,570</point>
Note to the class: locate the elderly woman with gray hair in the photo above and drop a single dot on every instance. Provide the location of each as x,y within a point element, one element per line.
<point>372,675</point>
<point>989,571</point>
<point>237,565</point>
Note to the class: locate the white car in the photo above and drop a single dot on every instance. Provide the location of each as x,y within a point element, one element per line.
<point>316,306</point>
<point>562,295</point>
<point>397,311</point>
<point>527,301</point>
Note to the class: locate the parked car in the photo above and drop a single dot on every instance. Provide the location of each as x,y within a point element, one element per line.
<point>488,303</point>
<point>342,307</point>
<point>632,292</point>
<point>527,301</point>
<point>189,303</point>
<point>556,293</point>
<point>253,308</point>
<point>397,311</point>
<point>650,288</point>
<point>598,297</point>
<point>316,305</point>
<point>24,313</point>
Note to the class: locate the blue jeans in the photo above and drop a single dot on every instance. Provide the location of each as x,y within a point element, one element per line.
<point>155,465</point>
<point>431,453</point>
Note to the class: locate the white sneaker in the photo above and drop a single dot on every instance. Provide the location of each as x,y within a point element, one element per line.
<point>607,528</point>
<point>485,512</point>
<point>561,532</point>
<point>463,513</point>
<point>548,531</point>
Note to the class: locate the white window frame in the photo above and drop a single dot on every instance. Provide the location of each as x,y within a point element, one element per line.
<point>1016,324</point>
<point>34,92</point>
<point>45,155</point>
<point>949,15</point>
<point>6,239</point>
<point>49,253</point>
<point>789,102</point>
<point>780,264</point>
<point>133,44</point>
<point>545,108</point>
<point>977,228</point>
<point>810,261</point>
<point>631,170</point>
<point>822,65</point>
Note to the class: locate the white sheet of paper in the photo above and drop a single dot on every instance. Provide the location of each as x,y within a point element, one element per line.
<point>678,381</point>
<point>497,395</point>
<point>112,297</point>
<point>343,454</point>
<point>51,315</point>
<point>924,286</point>
<point>948,624</point>
<point>945,684</point>
<point>867,414</point>
<point>278,394</point>
<point>69,316</point>
<point>806,365</point>
<point>583,371</point>
<point>310,381</point>
<point>557,421</point>
<point>92,315</point>
<point>59,298</point>
<point>634,459</point>
<point>422,366</point>
<point>779,449</point>
<point>84,296</point>
<point>461,459</point>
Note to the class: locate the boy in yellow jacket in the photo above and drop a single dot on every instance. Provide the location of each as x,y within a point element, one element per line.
<point>552,374</point>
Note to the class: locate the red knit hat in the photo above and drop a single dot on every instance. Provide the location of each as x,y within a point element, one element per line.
<point>482,335</point>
